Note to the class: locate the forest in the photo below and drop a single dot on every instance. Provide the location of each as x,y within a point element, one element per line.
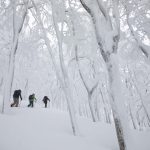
<point>90,57</point>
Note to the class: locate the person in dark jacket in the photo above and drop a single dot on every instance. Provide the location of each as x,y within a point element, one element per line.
<point>45,100</point>
<point>16,95</point>
<point>32,99</point>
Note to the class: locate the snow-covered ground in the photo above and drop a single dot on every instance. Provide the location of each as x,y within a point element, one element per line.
<point>48,129</point>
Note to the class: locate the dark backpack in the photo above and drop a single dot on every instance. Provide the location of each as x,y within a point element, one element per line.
<point>16,93</point>
<point>30,97</point>
<point>44,100</point>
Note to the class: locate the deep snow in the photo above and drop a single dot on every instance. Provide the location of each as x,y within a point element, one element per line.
<point>48,129</point>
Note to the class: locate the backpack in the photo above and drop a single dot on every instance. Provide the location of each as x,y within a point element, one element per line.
<point>30,97</point>
<point>16,93</point>
<point>44,100</point>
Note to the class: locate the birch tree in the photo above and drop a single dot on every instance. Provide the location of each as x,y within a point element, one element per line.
<point>109,49</point>
<point>75,47</point>
<point>63,81</point>
<point>16,31</point>
<point>67,84</point>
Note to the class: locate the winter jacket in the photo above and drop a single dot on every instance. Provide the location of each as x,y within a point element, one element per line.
<point>32,98</point>
<point>45,99</point>
<point>17,94</point>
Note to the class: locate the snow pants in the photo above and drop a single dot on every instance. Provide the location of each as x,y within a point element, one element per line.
<point>15,103</point>
<point>31,104</point>
<point>45,104</point>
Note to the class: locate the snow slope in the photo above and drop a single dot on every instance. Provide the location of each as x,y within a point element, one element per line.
<point>44,129</point>
<point>48,129</point>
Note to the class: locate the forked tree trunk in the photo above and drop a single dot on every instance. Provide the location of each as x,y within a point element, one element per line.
<point>110,66</point>
<point>89,91</point>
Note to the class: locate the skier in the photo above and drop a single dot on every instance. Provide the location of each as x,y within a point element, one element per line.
<point>32,99</point>
<point>45,100</point>
<point>16,95</point>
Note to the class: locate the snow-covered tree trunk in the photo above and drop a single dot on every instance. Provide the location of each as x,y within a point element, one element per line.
<point>26,89</point>
<point>10,74</point>
<point>65,81</point>
<point>115,97</point>
<point>111,60</point>
<point>134,82</point>
<point>89,92</point>
<point>75,47</point>
<point>67,88</point>
<point>132,119</point>
<point>107,116</point>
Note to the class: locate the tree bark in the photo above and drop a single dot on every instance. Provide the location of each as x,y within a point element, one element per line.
<point>109,57</point>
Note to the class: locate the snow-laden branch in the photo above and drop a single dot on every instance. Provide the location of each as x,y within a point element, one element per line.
<point>10,75</point>
<point>142,47</point>
<point>63,81</point>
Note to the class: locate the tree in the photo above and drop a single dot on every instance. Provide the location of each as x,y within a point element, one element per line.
<point>109,54</point>
<point>16,31</point>
<point>65,80</point>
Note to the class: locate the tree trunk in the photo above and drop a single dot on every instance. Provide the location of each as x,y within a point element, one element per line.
<point>10,74</point>
<point>65,81</point>
<point>67,88</point>
<point>91,108</point>
<point>109,57</point>
<point>116,113</point>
